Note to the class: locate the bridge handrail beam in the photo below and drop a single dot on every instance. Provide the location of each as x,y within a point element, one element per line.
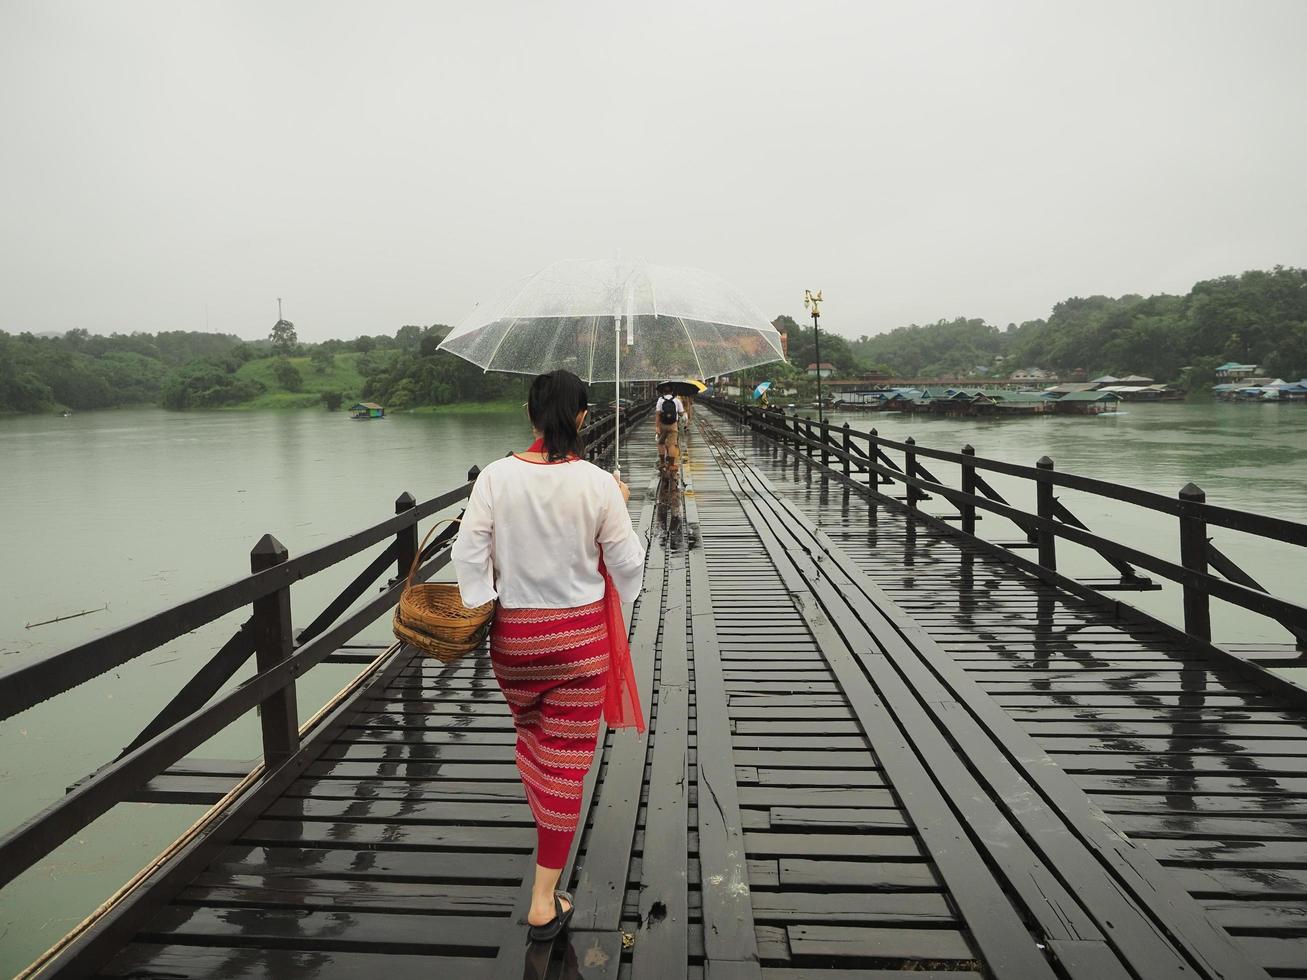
<point>30,684</point>
<point>44,831</point>
<point>1262,525</point>
<point>1289,614</point>
<point>22,687</point>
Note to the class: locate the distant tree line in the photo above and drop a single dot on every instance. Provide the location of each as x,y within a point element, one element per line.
<point>188,370</point>
<point>416,373</point>
<point>85,371</point>
<point>1259,317</point>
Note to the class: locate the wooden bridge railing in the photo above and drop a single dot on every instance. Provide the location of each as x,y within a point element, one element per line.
<point>1051,520</point>
<point>193,716</point>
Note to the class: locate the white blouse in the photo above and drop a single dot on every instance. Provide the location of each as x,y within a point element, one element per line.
<point>531,534</point>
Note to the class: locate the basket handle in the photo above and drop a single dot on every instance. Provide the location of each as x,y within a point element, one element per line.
<point>417,558</point>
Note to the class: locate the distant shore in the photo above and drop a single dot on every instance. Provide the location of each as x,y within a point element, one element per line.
<point>286,402</point>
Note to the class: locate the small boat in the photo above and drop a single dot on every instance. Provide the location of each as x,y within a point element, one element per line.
<point>364,411</point>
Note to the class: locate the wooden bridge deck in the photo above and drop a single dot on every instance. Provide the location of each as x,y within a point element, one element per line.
<point>872,754</point>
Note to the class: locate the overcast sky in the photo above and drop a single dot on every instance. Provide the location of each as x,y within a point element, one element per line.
<point>174,165</point>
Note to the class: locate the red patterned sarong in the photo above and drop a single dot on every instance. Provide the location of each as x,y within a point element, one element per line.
<point>552,665</point>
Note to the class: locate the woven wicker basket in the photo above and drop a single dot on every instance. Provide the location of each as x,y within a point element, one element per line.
<point>431,616</point>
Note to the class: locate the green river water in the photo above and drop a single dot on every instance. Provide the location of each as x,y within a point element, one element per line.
<point>137,510</point>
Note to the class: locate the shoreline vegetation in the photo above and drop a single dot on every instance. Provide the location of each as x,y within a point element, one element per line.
<point>1259,317</point>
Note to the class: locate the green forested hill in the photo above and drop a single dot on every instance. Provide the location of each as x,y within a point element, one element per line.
<point>1259,317</point>
<point>182,370</point>
<point>84,371</point>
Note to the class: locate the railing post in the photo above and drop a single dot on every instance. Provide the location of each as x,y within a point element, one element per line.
<point>1193,556</point>
<point>873,479</point>
<point>968,510</point>
<point>1044,508</point>
<point>910,468</point>
<point>406,539</point>
<point>846,443</point>
<point>824,426</point>
<point>278,714</point>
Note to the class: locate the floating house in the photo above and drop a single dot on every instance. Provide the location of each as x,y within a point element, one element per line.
<point>1291,391</point>
<point>363,411</point>
<point>1087,402</point>
<point>1262,390</point>
<point>1009,403</point>
<point>1232,371</point>
<point>978,402</point>
<point>1144,393</point>
<point>1071,388</point>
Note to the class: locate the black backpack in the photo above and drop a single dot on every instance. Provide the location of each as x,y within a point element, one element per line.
<point>667,411</point>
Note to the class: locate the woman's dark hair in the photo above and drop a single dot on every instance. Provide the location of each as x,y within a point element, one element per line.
<point>553,404</point>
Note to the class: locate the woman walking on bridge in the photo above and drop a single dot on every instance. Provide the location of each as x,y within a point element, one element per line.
<point>541,527</point>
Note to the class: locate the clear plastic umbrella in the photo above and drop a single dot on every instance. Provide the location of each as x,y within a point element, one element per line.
<point>609,319</point>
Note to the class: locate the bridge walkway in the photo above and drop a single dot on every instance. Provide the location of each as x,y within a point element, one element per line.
<point>838,782</point>
<point>1195,762</point>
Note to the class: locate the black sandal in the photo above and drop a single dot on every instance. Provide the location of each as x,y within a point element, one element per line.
<point>551,929</point>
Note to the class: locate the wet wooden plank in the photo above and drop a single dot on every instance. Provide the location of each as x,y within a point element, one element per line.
<point>602,876</point>
<point>258,891</point>
<point>1286,955</point>
<point>879,846</point>
<point>287,928</point>
<point>885,875</point>
<point>1259,916</point>
<point>871,943</point>
<point>390,811</point>
<point>846,819</point>
<point>912,909</point>
<point>728,911</point>
<point>1228,827</point>
<point>392,789</point>
<point>661,948</point>
<point>157,961</point>
<point>334,862</point>
<point>390,836</point>
<point>1279,855</point>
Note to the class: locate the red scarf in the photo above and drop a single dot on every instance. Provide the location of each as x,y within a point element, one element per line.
<point>622,696</point>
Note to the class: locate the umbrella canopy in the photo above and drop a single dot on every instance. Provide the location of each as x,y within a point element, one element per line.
<point>671,322</point>
<point>688,387</point>
<point>761,390</point>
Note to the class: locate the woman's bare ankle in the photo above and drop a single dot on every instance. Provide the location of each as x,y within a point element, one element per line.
<point>543,910</point>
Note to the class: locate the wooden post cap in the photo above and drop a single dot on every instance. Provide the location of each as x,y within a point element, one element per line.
<point>405,501</point>
<point>1192,491</point>
<point>268,551</point>
<point>1044,463</point>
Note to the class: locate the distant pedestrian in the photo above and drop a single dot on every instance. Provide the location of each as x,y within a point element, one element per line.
<point>547,535</point>
<point>667,415</point>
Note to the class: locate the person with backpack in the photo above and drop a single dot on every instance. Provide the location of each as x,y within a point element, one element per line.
<point>667,412</point>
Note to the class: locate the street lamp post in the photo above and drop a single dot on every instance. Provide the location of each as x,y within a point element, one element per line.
<point>812,301</point>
